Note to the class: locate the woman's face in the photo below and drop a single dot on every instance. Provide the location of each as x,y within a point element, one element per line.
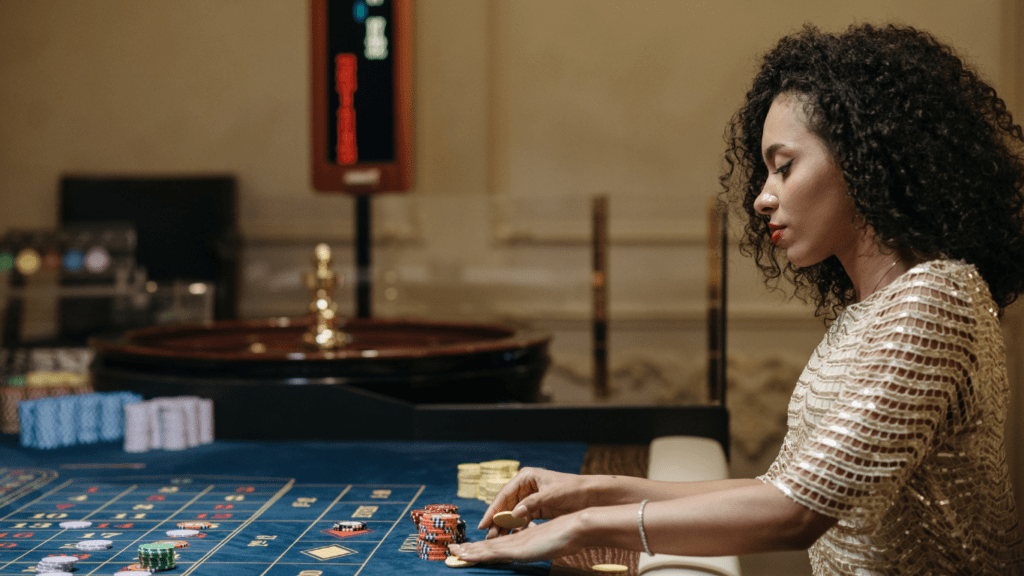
<point>811,217</point>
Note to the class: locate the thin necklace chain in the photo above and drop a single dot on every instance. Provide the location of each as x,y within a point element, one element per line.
<point>884,274</point>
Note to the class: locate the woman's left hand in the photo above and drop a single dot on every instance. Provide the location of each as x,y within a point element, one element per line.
<point>551,539</point>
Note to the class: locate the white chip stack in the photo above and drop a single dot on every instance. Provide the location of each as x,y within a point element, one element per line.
<point>136,427</point>
<point>57,564</point>
<point>95,545</point>
<point>75,524</point>
<point>174,423</point>
<point>483,481</point>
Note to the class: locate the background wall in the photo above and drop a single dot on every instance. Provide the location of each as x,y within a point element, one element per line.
<point>525,109</point>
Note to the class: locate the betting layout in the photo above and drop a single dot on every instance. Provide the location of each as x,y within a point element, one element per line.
<point>204,525</point>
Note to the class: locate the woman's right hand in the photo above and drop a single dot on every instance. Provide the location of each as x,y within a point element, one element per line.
<point>536,493</point>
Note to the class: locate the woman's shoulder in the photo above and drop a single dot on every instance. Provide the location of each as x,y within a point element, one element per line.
<point>951,270</point>
<point>941,288</point>
<point>953,281</point>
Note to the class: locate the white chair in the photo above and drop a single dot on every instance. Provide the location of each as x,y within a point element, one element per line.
<point>687,459</point>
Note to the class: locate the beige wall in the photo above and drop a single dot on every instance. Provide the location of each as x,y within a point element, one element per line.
<point>1012,34</point>
<point>525,109</point>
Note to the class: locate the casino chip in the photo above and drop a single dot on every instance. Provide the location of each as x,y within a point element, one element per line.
<point>508,521</point>
<point>349,526</point>
<point>469,480</point>
<point>610,568</point>
<point>139,572</point>
<point>446,508</point>
<point>182,533</point>
<point>76,524</point>
<point>177,543</point>
<point>193,525</point>
<point>57,564</point>
<point>483,480</point>
<point>157,556</point>
<point>415,516</point>
<point>436,530</point>
<point>494,474</point>
<point>456,562</point>
<point>94,545</point>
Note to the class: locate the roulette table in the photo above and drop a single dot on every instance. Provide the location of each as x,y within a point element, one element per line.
<point>269,506</point>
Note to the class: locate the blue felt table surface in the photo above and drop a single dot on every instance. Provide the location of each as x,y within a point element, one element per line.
<point>359,462</point>
<point>419,473</point>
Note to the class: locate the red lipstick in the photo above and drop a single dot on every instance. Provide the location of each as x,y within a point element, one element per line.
<point>776,231</point>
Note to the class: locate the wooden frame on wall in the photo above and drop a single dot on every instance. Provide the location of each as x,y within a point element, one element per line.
<point>361,95</point>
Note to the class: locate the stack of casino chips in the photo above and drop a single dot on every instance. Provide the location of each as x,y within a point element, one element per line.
<point>349,526</point>
<point>55,422</point>
<point>57,564</point>
<point>417,515</point>
<point>168,423</point>
<point>494,475</point>
<point>75,524</point>
<point>469,480</point>
<point>157,556</point>
<point>439,525</point>
<point>94,545</point>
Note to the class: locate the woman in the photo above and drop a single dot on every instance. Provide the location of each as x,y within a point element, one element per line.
<point>891,178</point>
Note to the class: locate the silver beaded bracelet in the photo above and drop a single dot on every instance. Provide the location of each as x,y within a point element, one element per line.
<point>640,524</point>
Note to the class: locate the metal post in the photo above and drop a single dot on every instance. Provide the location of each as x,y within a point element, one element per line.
<point>600,281</point>
<point>717,247</point>
<point>363,247</point>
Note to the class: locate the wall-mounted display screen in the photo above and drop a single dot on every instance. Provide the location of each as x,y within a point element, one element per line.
<point>361,95</point>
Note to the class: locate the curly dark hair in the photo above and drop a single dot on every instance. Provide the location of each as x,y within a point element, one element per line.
<point>932,157</point>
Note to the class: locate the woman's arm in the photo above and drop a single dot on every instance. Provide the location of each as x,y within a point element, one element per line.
<point>611,490</point>
<point>752,517</point>
<point>746,519</point>
<point>542,494</point>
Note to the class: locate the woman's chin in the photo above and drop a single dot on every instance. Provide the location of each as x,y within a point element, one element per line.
<point>799,260</point>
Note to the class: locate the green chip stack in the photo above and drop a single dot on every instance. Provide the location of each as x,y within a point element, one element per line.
<point>157,556</point>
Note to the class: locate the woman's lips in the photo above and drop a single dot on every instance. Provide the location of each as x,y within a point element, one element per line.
<point>776,233</point>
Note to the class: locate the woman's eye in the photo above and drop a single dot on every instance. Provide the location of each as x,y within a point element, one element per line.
<point>784,169</point>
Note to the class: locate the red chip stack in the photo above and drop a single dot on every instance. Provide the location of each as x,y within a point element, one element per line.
<point>439,525</point>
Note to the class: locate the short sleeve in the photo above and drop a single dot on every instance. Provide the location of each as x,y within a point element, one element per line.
<point>904,380</point>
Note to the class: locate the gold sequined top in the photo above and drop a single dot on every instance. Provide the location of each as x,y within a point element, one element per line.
<point>896,429</point>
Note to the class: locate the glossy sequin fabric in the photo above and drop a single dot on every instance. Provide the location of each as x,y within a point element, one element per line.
<point>896,429</point>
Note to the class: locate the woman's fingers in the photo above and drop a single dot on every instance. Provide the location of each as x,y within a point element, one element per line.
<point>520,487</point>
<point>538,541</point>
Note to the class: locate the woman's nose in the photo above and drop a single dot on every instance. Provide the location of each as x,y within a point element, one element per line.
<point>766,202</point>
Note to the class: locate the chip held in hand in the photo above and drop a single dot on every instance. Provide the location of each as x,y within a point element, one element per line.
<point>456,562</point>
<point>610,568</point>
<point>507,520</point>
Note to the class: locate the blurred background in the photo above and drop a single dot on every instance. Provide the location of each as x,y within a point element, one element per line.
<point>524,111</point>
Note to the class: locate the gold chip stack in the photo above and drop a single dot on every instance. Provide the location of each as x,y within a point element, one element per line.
<point>469,480</point>
<point>494,474</point>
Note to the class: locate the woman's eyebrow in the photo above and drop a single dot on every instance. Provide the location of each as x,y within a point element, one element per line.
<point>770,152</point>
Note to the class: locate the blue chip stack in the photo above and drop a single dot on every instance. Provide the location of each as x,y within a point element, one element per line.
<point>69,420</point>
<point>89,419</point>
<point>111,414</point>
